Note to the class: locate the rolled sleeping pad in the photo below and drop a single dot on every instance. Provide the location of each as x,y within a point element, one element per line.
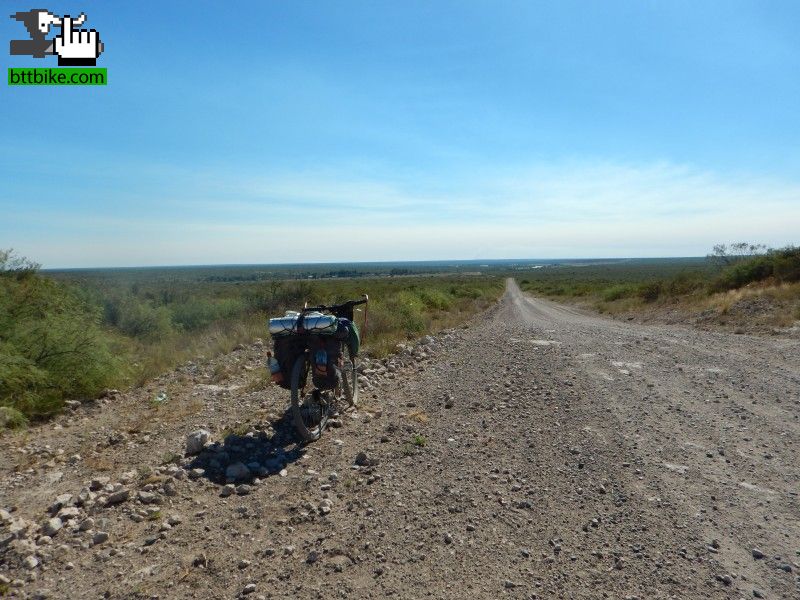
<point>313,322</point>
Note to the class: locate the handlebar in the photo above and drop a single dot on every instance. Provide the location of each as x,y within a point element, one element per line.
<point>344,310</point>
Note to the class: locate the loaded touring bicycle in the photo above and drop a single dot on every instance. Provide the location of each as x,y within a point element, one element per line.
<point>314,356</point>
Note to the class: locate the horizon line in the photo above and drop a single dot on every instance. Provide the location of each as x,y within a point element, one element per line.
<point>470,261</point>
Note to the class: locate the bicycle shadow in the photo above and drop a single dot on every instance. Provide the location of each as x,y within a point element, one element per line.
<point>242,458</point>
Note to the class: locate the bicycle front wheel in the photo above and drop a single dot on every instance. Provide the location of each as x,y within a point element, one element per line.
<point>310,408</point>
<point>349,377</point>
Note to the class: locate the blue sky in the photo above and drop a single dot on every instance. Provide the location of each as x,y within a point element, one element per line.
<point>374,130</point>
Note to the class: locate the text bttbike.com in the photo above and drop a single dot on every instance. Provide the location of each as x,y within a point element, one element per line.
<point>48,76</point>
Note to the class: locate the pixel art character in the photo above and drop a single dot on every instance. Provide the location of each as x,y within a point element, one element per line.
<point>74,47</point>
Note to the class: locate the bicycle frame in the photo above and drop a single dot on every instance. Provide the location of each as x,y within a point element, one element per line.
<point>346,379</point>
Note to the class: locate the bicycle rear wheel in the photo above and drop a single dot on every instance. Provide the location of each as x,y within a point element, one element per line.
<point>310,409</point>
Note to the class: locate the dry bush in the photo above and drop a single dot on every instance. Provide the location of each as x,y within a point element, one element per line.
<point>420,416</point>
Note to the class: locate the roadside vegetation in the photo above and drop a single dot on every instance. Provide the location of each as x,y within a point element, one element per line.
<point>762,283</point>
<point>69,335</point>
<point>72,335</point>
<point>52,347</point>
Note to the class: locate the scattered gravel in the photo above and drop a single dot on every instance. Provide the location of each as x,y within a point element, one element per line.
<point>512,458</point>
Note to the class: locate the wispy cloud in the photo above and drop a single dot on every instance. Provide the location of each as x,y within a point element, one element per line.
<point>555,210</point>
<point>573,192</point>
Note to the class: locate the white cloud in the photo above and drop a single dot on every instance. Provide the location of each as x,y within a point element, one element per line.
<point>546,211</point>
<point>563,192</point>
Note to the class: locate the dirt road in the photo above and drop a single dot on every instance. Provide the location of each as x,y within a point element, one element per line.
<point>538,453</point>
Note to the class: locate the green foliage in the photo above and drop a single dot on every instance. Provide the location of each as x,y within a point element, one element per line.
<point>436,299</point>
<point>59,332</point>
<point>51,347</point>
<point>683,284</point>
<point>144,472</point>
<point>200,313</point>
<point>650,291</point>
<point>170,458</point>
<point>235,430</point>
<point>782,265</point>
<point>142,320</point>
<point>414,445</point>
<point>11,418</point>
<point>646,280</point>
<point>615,292</point>
<point>406,311</point>
<point>620,279</point>
<point>625,284</point>
<point>466,291</point>
<point>69,334</point>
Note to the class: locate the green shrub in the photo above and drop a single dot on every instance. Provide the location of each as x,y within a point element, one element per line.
<point>22,383</point>
<point>265,298</point>
<point>200,313</point>
<point>463,291</point>
<point>683,284</point>
<point>649,292</point>
<point>783,265</point>
<point>11,418</point>
<point>617,292</point>
<point>405,313</point>
<point>436,299</point>
<point>745,272</point>
<point>140,319</point>
<point>112,311</point>
<point>786,265</point>
<point>51,347</point>
<point>60,332</point>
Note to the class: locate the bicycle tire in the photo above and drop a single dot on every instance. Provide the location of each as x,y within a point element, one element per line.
<point>350,377</point>
<point>309,432</point>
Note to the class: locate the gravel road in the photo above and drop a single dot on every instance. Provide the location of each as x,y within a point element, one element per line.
<point>539,452</point>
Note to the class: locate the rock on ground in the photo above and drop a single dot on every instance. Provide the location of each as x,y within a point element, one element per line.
<point>579,458</point>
